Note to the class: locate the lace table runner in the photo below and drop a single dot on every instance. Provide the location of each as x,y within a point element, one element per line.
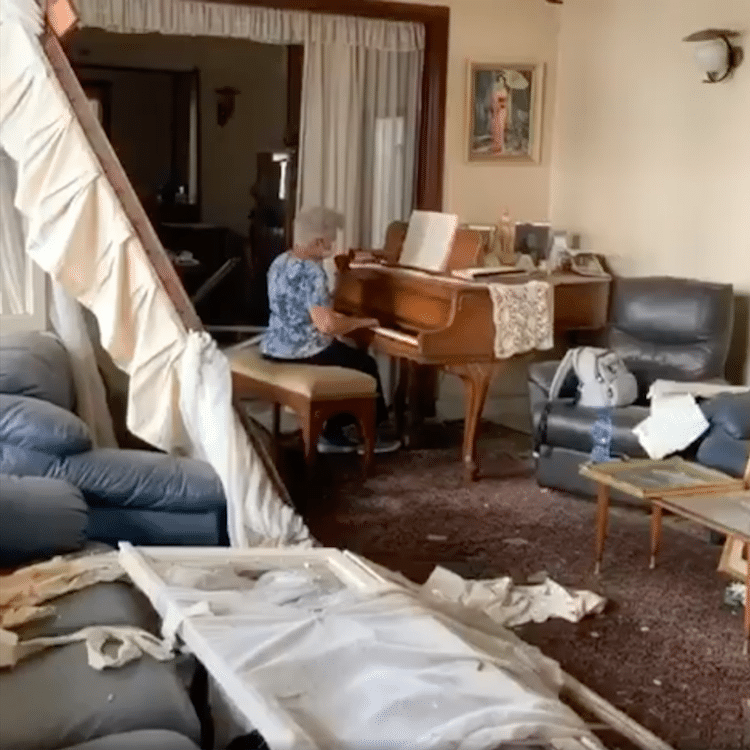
<point>524,317</point>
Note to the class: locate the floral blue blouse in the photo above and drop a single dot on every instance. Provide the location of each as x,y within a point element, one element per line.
<point>294,286</point>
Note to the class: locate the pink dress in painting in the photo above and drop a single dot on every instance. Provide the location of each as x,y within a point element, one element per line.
<point>499,116</point>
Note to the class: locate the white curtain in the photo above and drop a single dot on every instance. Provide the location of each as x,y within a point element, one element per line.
<point>65,312</point>
<point>66,316</point>
<point>12,254</point>
<point>346,92</point>
<point>357,71</point>
<point>179,396</point>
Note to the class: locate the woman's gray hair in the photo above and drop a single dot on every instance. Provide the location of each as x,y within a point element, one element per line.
<point>316,223</point>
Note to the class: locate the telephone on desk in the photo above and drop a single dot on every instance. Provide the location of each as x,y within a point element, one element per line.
<point>586,264</point>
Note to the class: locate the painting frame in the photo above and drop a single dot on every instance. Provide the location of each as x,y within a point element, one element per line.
<point>517,127</point>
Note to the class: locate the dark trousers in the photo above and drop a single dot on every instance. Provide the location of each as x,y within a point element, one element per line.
<point>339,354</point>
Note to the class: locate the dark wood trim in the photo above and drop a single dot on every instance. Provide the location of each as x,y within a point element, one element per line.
<point>78,64</point>
<point>199,138</point>
<point>295,55</point>
<point>103,90</point>
<point>436,20</point>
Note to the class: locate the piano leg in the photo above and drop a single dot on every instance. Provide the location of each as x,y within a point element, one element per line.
<point>404,402</point>
<point>476,378</point>
<point>399,401</point>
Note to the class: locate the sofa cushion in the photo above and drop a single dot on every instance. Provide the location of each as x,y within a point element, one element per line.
<point>671,328</point>
<point>39,517</point>
<point>116,603</point>
<point>40,425</point>
<point>55,699</point>
<point>27,462</point>
<point>311,381</point>
<point>731,412</point>
<point>37,365</point>
<point>569,426</point>
<point>144,479</point>
<point>541,374</point>
<point>720,451</point>
<point>156,527</point>
<point>146,739</point>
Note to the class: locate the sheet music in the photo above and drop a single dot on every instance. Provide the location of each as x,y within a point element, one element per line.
<point>428,240</point>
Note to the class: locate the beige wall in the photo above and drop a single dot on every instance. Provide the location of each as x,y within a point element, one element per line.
<point>650,165</point>
<point>496,31</point>
<point>228,153</point>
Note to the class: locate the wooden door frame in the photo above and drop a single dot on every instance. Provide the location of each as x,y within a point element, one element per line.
<point>436,21</point>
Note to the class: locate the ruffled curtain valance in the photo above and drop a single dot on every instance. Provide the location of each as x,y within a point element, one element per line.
<point>266,25</point>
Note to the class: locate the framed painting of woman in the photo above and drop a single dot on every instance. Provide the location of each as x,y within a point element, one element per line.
<point>505,109</point>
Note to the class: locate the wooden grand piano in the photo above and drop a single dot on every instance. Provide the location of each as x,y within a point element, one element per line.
<point>447,322</point>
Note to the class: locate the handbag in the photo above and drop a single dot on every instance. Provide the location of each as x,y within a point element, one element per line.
<point>604,382</point>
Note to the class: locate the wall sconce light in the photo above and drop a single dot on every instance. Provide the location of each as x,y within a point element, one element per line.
<point>714,53</point>
<point>225,104</point>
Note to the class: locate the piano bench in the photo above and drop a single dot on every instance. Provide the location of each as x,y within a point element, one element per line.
<point>313,392</point>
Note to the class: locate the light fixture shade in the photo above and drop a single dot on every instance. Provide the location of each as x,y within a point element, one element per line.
<point>712,57</point>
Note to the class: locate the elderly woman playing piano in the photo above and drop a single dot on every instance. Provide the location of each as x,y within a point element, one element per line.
<point>303,327</point>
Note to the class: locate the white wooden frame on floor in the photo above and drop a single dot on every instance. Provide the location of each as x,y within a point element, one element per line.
<point>276,726</point>
<point>268,716</point>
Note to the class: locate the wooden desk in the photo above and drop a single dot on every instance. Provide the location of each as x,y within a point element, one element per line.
<point>727,514</point>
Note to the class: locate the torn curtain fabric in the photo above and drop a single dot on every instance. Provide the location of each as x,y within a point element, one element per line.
<point>107,647</point>
<point>78,232</point>
<point>24,592</point>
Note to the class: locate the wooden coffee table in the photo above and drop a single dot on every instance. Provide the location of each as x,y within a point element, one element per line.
<point>728,514</point>
<point>648,480</point>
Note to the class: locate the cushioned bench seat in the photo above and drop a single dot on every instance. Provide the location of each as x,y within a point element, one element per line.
<point>311,381</point>
<point>314,392</point>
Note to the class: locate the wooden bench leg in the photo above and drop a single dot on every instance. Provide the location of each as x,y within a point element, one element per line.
<point>365,417</point>
<point>276,431</point>
<point>312,425</point>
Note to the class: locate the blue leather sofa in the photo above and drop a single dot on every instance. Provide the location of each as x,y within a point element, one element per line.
<point>57,491</point>
<point>726,444</point>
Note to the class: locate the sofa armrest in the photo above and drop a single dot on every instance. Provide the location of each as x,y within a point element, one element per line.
<point>40,517</point>
<point>541,374</point>
<point>731,413</point>
<point>720,451</point>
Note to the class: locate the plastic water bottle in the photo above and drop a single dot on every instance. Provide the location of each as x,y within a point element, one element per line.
<point>601,432</point>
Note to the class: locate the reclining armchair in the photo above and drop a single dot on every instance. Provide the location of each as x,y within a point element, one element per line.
<point>662,327</point>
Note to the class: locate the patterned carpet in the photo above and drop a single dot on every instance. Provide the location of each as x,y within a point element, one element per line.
<point>666,650</point>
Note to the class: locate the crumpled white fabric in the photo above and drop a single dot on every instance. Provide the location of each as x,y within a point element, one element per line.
<point>372,666</point>
<point>510,605</point>
<point>22,591</point>
<point>206,407</point>
<point>78,232</point>
<point>132,643</point>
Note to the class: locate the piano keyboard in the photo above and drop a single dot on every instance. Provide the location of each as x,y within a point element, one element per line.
<point>389,333</point>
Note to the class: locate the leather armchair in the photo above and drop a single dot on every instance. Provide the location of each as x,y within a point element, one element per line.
<point>663,327</point>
